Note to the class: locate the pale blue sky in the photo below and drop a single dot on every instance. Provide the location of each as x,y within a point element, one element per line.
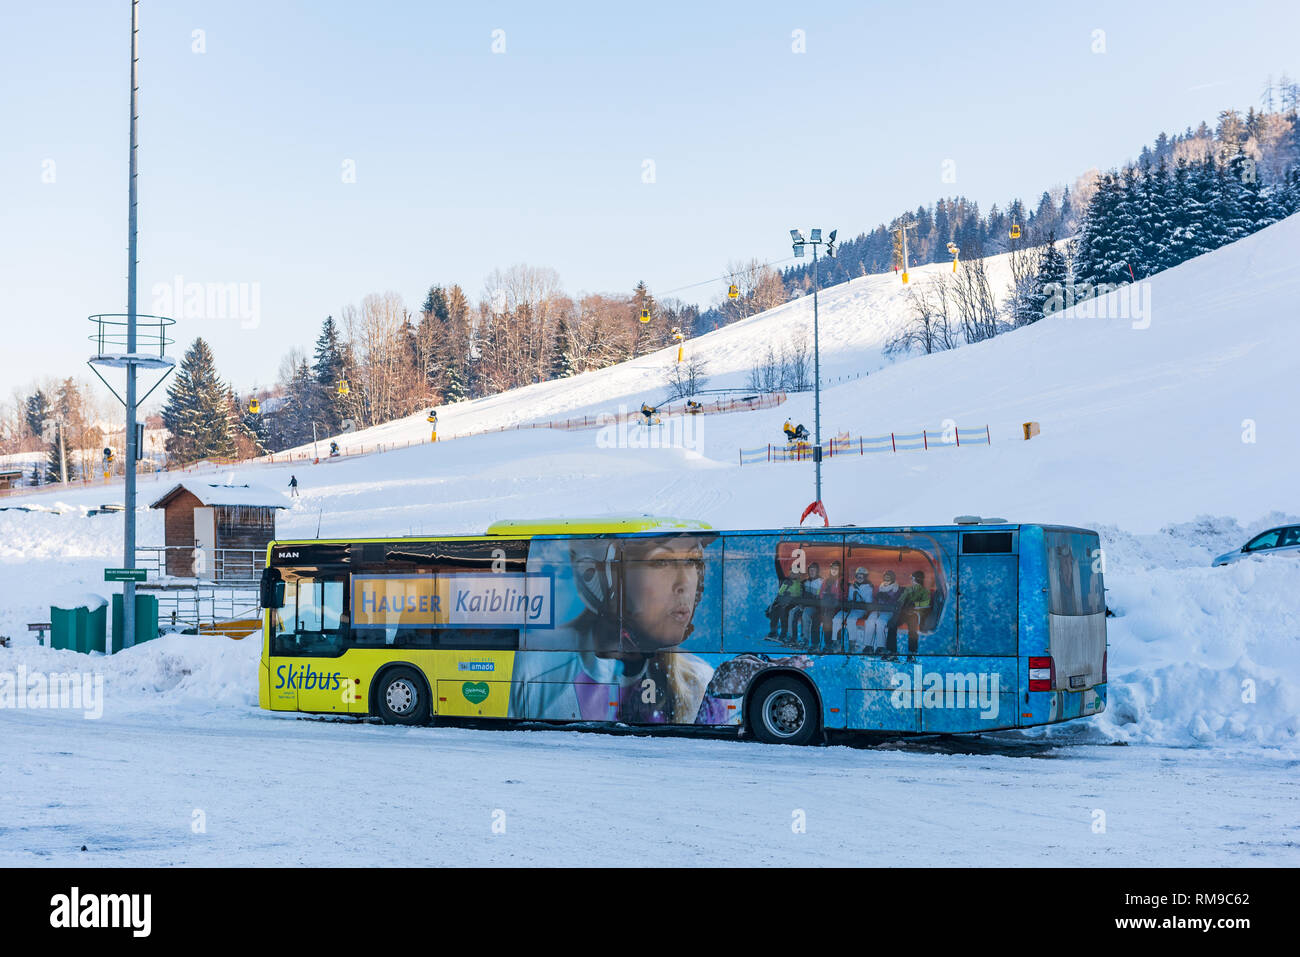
<point>468,160</point>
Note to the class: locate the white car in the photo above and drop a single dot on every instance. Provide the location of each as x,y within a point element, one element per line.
<point>1284,540</point>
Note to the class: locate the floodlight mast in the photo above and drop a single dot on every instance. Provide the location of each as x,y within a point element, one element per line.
<point>132,440</point>
<point>814,241</point>
<point>108,338</point>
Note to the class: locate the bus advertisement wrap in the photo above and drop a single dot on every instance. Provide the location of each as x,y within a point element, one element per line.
<point>507,600</point>
<point>909,630</point>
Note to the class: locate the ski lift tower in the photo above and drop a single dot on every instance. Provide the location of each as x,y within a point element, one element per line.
<point>131,342</point>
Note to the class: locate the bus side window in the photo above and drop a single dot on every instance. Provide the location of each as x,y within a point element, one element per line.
<point>309,606</point>
<point>283,639</point>
<point>331,605</point>
<point>312,619</point>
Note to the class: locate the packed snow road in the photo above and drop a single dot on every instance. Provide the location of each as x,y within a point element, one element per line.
<point>235,786</point>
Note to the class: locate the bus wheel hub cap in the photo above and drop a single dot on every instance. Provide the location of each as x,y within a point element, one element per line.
<point>785,716</point>
<point>400,696</point>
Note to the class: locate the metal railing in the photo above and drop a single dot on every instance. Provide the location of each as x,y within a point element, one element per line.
<point>846,444</point>
<point>194,604</point>
<point>224,565</point>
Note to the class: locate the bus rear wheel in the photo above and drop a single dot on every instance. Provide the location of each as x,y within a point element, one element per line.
<point>783,710</point>
<point>402,697</point>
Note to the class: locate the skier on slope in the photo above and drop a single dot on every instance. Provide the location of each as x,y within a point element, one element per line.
<point>293,485</point>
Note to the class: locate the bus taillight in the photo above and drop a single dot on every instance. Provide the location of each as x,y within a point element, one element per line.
<point>1103,665</point>
<point>1042,674</point>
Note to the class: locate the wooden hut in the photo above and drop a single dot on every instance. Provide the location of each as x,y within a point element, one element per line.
<point>217,531</point>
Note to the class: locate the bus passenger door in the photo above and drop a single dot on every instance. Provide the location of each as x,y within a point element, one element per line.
<point>988,602</point>
<point>307,671</point>
<point>281,693</point>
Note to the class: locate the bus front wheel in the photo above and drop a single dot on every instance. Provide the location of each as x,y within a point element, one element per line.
<point>783,710</point>
<point>402,697</point>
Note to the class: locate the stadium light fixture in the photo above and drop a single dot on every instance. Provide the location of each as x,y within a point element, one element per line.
<point>814,242</point>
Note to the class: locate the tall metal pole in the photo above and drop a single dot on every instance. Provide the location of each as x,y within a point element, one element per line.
<point>817,385</point>
<point>63,454</point>
<point>132,450</point>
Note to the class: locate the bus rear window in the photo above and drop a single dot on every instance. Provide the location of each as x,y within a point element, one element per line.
<point>1074,573</point>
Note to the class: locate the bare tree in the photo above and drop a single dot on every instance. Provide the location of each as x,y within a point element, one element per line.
<point>1025,256</point>
<point>519,313</point>
<point>687,377</point>
<point>977,307</point>
<point>797,364</point>
<point>931,326</point>
<point>382,359</point>
<point>766,376</point>
<point>599,336</point>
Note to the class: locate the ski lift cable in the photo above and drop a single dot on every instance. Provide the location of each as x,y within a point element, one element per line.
<point>726,278</point>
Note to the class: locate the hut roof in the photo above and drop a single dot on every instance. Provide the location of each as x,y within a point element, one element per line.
<point>211,493</point>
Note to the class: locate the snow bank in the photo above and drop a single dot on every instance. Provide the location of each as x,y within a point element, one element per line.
<point>1199,655</point>
<point>172,673</point>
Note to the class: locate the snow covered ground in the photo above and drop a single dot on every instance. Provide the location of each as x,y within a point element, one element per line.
<point>264,789</point>
<point>1173,433</point>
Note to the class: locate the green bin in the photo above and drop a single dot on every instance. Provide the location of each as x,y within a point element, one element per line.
<point>78,629</point>
<point>146,620</point>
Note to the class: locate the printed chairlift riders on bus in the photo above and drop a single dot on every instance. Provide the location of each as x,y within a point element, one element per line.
<point>816,610</point>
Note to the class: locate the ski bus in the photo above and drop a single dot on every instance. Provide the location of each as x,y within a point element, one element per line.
<point>779,634</point>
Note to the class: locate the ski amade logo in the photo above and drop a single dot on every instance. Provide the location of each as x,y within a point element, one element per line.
<point>307,678</point>
<point>475,692</point>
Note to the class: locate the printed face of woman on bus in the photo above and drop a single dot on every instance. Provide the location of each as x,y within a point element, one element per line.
<point>661,582</point>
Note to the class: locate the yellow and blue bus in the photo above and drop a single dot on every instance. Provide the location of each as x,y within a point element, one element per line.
<point>780,634</point>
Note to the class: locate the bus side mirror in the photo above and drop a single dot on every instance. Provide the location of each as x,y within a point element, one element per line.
<point>272,590</point>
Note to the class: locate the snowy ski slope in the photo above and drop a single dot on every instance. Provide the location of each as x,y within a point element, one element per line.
<point>856,319</point>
